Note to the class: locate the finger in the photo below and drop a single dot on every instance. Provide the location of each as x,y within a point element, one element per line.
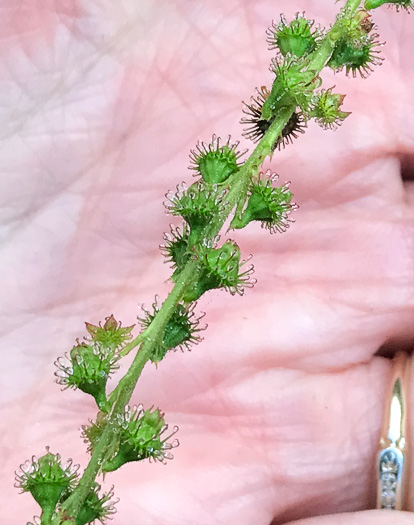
<point>374,517</point>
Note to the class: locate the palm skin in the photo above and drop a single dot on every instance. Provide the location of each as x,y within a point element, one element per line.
<point>280,407</point>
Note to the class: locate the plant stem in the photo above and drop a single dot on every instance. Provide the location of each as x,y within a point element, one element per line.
<point>148,339</point>
<point>235,198</point>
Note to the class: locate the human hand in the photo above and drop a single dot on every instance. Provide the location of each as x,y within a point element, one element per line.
<point>280,407</point>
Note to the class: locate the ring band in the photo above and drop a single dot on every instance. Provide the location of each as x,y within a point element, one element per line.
<point>392,463</point>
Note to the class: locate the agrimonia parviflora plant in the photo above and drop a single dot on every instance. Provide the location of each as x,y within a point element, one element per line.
<point>229,188</point>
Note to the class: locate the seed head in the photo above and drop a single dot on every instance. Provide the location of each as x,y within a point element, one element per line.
<point>46,479</point>
<point>297,38</point>
<point>180,332</point>
<point>270,205</point>
<point>220,269</point>
<point>326,110</point>
<point>215,162</point>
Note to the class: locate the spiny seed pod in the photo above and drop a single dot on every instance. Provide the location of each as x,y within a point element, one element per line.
<point>272,206</point>
<point>111,334</point>
<point>175,249</point>
<point>197,206</point>
<point>180,332</point>
<point>399,4</point>
<point>356,56</point>
<point>257,126</point>
<point>215,162</point>
<point>88,368</point>
<point>294,85</point>
<point>96,507</point>
<point>141,435</point>
<point>220,269</point>
<point>357,49</point>
<point>296,38</point>
<point>47,480</point>
<point>326,109</point>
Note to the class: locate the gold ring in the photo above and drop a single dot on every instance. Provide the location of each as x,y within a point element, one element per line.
<point>392,463</point>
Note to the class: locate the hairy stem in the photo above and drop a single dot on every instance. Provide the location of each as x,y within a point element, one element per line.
<point>150,338</point>
<point>235,199</point>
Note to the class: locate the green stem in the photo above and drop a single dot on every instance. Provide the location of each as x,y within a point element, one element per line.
<point>149,339</point>
<point>320,57</point>
<point>235,199</point>
<point>133,344</point>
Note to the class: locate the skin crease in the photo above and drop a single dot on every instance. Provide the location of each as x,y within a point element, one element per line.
<point>280,407</point>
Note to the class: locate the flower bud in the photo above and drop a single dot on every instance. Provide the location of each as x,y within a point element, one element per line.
<point>296,38</point>
<point>175,249</point>
<point>357,49</point>
<point>294,85</point>
<point>96,507</point>
<point>272,206</point>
